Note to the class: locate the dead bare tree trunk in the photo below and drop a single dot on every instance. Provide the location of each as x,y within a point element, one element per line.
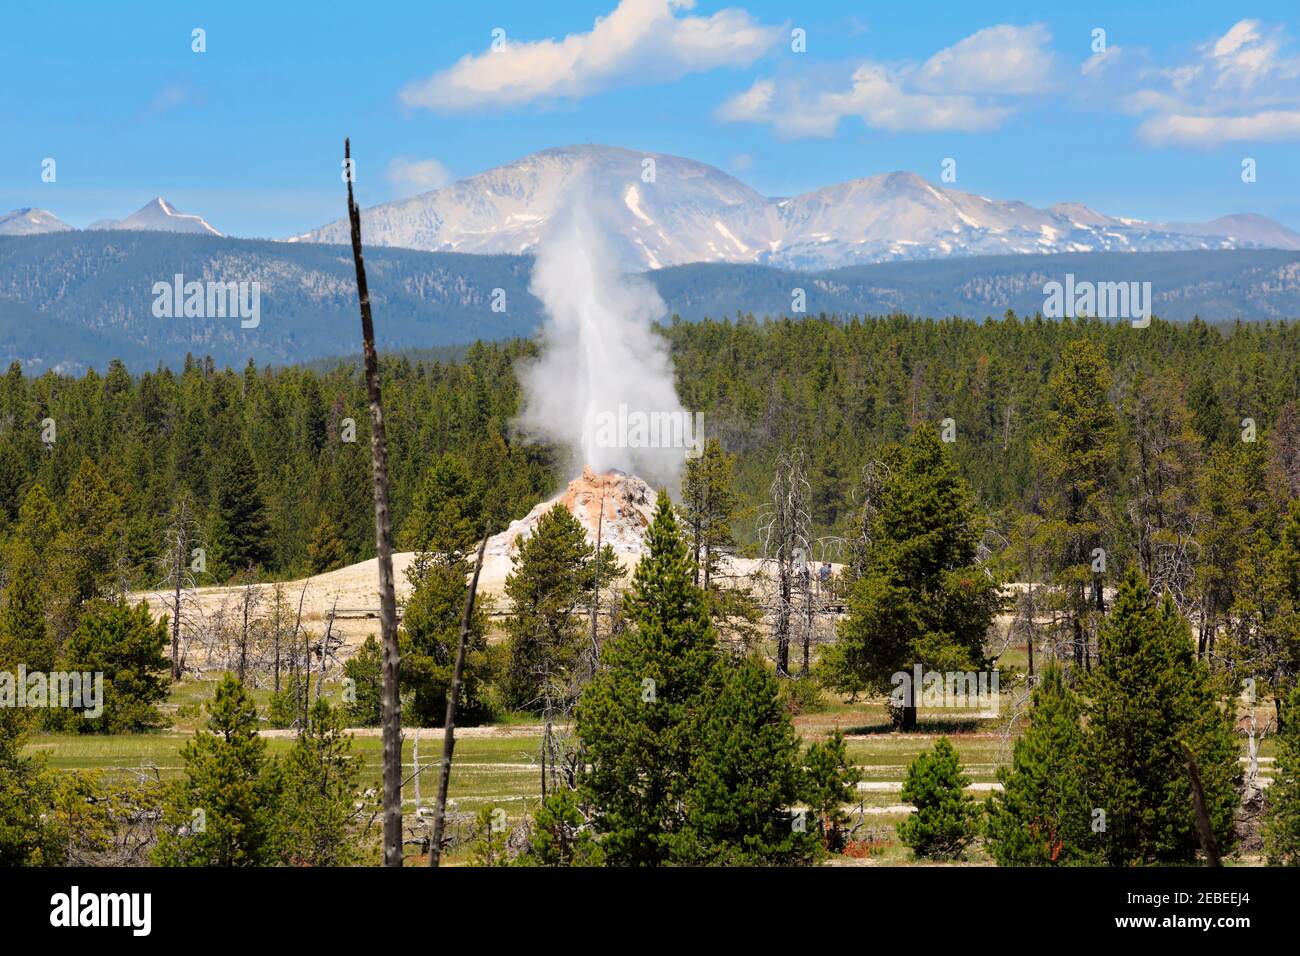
<point>786,539</point>
<point>1203,829</point>
<point>324,657</point>
<point>182,544</point>
<point>1029,631</point>
<point>449,725</point>
<point>294,672</point>
<point>392,716</point>
<point>179,578</point>
<point>595,596</point>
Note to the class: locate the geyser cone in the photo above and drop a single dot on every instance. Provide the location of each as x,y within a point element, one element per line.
<point>625,501</point>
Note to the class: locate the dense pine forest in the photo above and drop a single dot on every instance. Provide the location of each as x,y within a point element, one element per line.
<point>274,461</point>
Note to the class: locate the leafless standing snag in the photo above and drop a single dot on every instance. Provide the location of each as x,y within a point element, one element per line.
<point>392,715</point>
<point>1203,829</point>
<point>595,597</point>
<point>785,536</point>
<point>178,578</point>
<point>250,598</point>
<point>449,725</point>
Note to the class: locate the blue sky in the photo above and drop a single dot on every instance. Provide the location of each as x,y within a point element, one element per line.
<point>249,133</point>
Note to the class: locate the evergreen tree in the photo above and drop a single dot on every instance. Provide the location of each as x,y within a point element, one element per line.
<point>830,781</point>
<point>223,810</point>
<point>241,533</point>
<point>491,843</point>
<point>1264,636</point>
<point>1077,458</point>
<point>428,637</point>
<point>1165,454</point>
<point>560,834</point>
<point>87,546</point>
<point>545,629</point>
<point>922,598</point>
<point>707,508</point>
<point>1147,697</point>
<point>1208,417</point>
<point>1230,506</point>
<point>946,815</point>
<point>365,670</point>
<point>1043,816</point>
<point>745,778</point>
<point>127,646</point>
<point>24,636</point>
<point>446,517</point>
<point>707,511</point>
<point>640,717</point>
<point>26,794</point>
<point>319,788</point>
<point>1282,823</point>
<point>326,551</point>
<point>38,527</point>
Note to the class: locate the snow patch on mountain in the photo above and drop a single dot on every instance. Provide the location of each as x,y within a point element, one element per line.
<point>31,222</point>
<point>158,215</point>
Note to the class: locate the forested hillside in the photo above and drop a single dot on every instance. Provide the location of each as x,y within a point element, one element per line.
<point>72,300</point>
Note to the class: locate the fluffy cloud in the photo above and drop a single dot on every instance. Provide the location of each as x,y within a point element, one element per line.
<point>417,175</point>
<point>1100,63</point>
<point>966,87</point>
<point>1003,59</point>
<point>1240,87</point>
<point>1180,129</point>
<point>639,40</point>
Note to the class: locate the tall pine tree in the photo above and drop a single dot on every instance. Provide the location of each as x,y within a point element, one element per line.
<point>1043,816</point>
<point>1282,823</point>
<point>745,779</point>
<point>640,718</point>
<point>922,597</point>
<point>1148,697</point>
<point>545,628</point>
<point>222,812</point>
<point>1076,459</point>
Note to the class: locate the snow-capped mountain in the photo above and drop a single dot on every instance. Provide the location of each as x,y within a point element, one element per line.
<point>31,222</point>
<point>668,210</point>
<point>158,215</point>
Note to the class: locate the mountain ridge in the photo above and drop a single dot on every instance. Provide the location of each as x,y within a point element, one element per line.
<point>668,210</point>
<point>73,299</point>
<point>663,210</point>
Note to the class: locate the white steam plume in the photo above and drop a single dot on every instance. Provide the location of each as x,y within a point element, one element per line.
<point>600,360</point>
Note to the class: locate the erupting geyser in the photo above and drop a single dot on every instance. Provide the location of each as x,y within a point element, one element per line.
<point>601,364</point>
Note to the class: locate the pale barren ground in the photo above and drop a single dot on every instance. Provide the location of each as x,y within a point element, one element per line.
<point>354,592</point>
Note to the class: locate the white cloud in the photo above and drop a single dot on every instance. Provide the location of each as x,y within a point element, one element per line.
<point>1241,87</point>
<point>173,96</point>
<point>1002,59</point>
<point>639,41</point>
<point>966,87</point>
<point>1179,130</point>
<point>417,175</point>
<point>752,105</point>
<point>1101,62</point>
